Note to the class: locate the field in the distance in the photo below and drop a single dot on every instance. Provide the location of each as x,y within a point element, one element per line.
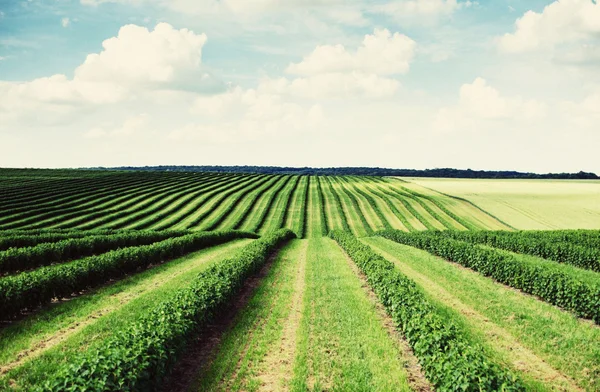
<point>528,204</point>
<point>177,281</point>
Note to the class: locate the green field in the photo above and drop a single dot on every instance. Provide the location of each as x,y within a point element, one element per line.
<point>182,281</point>
<point>526,204</point>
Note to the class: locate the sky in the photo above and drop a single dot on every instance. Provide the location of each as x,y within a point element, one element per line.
<point>486,85</point>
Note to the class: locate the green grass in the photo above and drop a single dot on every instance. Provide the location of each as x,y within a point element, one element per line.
<point>239,363</point>
<point>554,336</point>
<point>342,344</point>
<point>528,204</point>
<point>102,312</point>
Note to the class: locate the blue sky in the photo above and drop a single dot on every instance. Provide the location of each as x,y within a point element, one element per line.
<point>502,84</point>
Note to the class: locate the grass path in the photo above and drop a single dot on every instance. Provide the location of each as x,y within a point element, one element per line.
<point>34,346</point>
<point>342,344</point>
<point>547,346</point>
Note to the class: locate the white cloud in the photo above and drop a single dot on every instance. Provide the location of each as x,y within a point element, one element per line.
<point>130,126</point>
<point>429,10</point>
<point>132,64</point>
<point>65,22</point>
<point>561,22</point>
<point>332,85</point>
<point>480,103</point>
<point>584,114</point>
<point>381,53</point>
<point>244,115</point>
<point>332,71</point>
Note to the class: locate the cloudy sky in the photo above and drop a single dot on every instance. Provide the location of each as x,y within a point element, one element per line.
<point>488,84</point>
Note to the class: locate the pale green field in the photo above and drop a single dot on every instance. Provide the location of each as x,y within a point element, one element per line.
<point>527,204</point>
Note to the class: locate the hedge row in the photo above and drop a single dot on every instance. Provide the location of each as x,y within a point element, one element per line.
<point>29,290</point>
<point>545,246</point>
<point>139,356</point>
<point>264,212</point>
<point>543,281</point>
<point>338,202</point>
<point>20,259</point>
<point>16,239</point>
<point>449,361</point>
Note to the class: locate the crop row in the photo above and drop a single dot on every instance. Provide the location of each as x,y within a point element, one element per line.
<point>450,363</point>
<point>541,280</point>
<point>321,204</point>
<point>19,239</point>
<point>545,246</point>
<point>31,289</point>
<point>374,206</point>
<point>138,357</point>
<point>354,202</point>
<point>272,198</point>
<point>20,259</point>
<point>338,202</point>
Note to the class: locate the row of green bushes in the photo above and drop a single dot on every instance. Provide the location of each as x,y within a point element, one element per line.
<point>138,357</point>
<point>374,206</point>
<point>394,209</point>
<point>545,246</point>
<point>541,280</point>
<point>448,360</point>
<point>29,290</point>
<point>20,259</point>
<point>322,209</point>
<point>354,201</point>
<point>18,239</point>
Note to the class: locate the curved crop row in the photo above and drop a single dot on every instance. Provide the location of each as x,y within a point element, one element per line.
<point>374,206</point>
<point>468,225</point>
<point>78,200</point>
<point>287,200</point>
<point>214,190</point>
<point>31,289</point>
<point>394,209</point>
<point>585,238</point>
<point>338,203</point>
<point>12,239</point>
<point>541,246</point>
<point>179,204</point>
<point>450,363</point>
<point>143,206</point>
<point>236,197</point>
<point>20,259</point>
<point>324,223</point>
<point>304,207</point>
<point>410,209</point>
<point>260,220</point>
<point>554,287</point>
<point>138,357</point>
<point>251,201</point>
<point>220,197</point>
<point>56,215</point>
<point>356,206</point>
<point>428,209</point>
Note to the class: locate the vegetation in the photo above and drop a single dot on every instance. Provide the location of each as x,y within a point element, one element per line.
<point>155,280</point>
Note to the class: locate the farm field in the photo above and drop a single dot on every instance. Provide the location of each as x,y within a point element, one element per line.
<point>526,204</point>
<point>182,281</point>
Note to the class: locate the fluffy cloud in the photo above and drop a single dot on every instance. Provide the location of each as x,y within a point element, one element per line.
<point>561,22</point>
<point>480,103</point>
<point>583,114</point>
<point>332,71</point>
<point>430,10</point>
<point>381,53</point>
<point>130,126</point>
<point>244,115</point>
<point>133,63</point>
<point>65,22</point>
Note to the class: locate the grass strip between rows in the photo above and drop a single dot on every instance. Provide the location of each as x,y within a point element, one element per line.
<point>554,287</point>
<point>546,246</point>
<point>449,361</point>
<point>138,357</point>
<point>31,289</point>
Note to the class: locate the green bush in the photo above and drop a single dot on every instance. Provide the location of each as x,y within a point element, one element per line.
<point>138,357</point>
<point>450,363</point>
<point>29,290</point>
<point>20,259</point>
<point>554,287</point>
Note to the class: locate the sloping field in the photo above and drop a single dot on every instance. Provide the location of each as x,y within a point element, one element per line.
<point>335,283</point>
<point>524,204</point>
<point>209,201</point>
